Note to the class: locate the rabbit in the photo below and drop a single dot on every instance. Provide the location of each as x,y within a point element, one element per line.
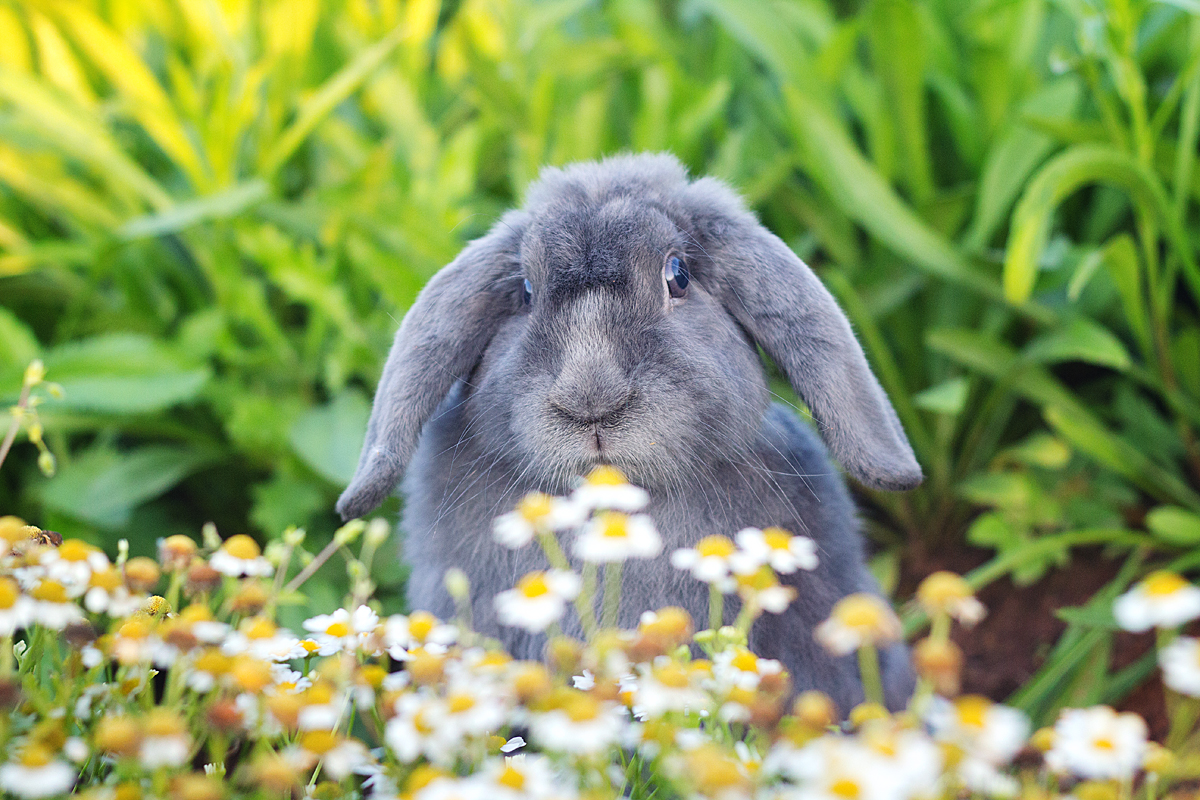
<point>616,319</point>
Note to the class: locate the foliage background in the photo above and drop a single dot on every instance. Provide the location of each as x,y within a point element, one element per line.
<point>213,214</point>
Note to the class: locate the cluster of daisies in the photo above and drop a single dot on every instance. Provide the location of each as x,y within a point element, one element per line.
<point>153,677</point>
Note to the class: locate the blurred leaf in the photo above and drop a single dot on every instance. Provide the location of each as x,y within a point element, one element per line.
<point>18,345</point>
<point>1061,177</point>
<point>1014,155</point>
<point>1174,525</point>
<point>282,501</point>
<point>947,397</point>
<point>121,374</point>
<point>328,438</point>
<point>1121,257</point>
<point>103,486</point>
<point>1040,450</point>
<point>1079,339</point>
<point>901,70</point>
<point>222,205</point>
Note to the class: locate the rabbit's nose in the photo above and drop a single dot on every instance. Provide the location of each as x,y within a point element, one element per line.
<point>590,394</point>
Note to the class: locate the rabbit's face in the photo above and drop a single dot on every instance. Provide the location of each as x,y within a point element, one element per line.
<point>618,354</point>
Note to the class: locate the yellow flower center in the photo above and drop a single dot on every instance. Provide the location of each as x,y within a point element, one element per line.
<point>1104,743</point>
<point>338,629</point>
<point>614,525</point>
<point>162,723</point>
<point>1163,584</point>
<point>777,538</point>
<point>310,646</point>
<point>241,546</point>
<point>972,710</point>
<point>213,662</point>
<point>259,628</point>
<point>74,550</point>
<point>195,613</point>
<point>533,507</point>
<point>50,592</point>
<point>9,592</point>
<point>512,779</point>
<point>135,628</point>
<point>719,546</point>
<point>672,675</point>
<point>860,612</point>
<point>844,787</point>
<point>107,580</point>
<point>319,742</point>
<point>35,756</point>
<point>459,703</point>
<point>422,724</point>
<point>534,585</point>
<point>605,475</point>
<point>745,661</point>
<point>942,590</point>
<point>582,708</point>
<point>421,624</point>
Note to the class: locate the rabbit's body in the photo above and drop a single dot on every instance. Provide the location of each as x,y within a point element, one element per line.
<point>786,480</point>
<point>616,319</point>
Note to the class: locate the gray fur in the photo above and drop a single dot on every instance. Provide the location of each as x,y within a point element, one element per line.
<point>604,366</point>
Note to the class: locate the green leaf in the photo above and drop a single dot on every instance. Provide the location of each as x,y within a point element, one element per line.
<point>1063,176</point>
<point>329,438</point>
<point>993,530</point>
<point>104,486</point>
<point>1174,525</point>
<point>222,205</point>
<point>1080,339</point>
<point>121,374</point>
<point>1124,265</point>
<point>1015,154</point>
<point>18,345</point>
<point>947,397</point>
<point>901,70</point>
<point>284,500</point>
<point>1040,450</point>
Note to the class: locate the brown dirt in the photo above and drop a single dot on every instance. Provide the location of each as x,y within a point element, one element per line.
<point>1008,647</point>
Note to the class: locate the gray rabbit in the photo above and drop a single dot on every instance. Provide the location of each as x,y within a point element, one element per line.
<point>616,319</point>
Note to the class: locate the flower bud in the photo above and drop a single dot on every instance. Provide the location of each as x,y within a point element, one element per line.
<point>118,735</point>
<point>940,663</point>
<point>175,553</point>
<point>197,787</point>
<point>141,574</point>
<point>201,579</point>
<point>250,599</point>
<point>815,709</point>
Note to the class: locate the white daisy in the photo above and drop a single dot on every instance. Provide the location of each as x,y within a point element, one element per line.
<point>776,548</point>
<point>16,609</point>
<point>536,513</point>
<point>340,756</point>
<point>834,768</point>
<point>984,730</point>
<point>581,726</point>
<point>418,629</point>
<point>107,594</point>
<point>1180,662</point>
<point>708,561</point>
<point>165,741</point>
<point>538,601</point>
<point>1161,600</point>
<point>342,630</point>
<point>605,488</point>
<point>36,773</point>
<point>856,620</point>
<point>72,564</point>
<point>52,606</point>
<point>945,592</point>
<point>1098,743</point>
<point>240,555</point>
<point>259,637</point>
<point>526,778</point>
<point>666,687</point>
<point>739,667</point>
<point>611,536</point>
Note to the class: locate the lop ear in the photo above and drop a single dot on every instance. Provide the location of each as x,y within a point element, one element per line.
<point>442,338</point>
<point>794,318</point>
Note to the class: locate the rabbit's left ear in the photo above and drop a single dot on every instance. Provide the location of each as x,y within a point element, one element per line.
<point>442,338</point>
<point>793,317</point>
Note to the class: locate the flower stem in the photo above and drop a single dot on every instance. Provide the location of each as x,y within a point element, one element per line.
<point>868,668</point>
<point>612,593</point>
<point>716,608</point>
<point>585,603</point>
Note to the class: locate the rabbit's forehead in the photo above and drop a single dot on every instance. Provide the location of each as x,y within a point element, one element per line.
<point>598,244</point>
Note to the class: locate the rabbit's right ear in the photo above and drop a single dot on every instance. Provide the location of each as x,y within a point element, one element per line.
<point>786,309</point>
<point>442,338</point>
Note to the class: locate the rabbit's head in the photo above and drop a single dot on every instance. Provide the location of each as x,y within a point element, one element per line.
<point>616,319</point>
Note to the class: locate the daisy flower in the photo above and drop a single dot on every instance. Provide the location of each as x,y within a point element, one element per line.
<point>72,564</point>
<point>580,725</point>
<point>538,601</point>
<point>708,561</point>
<point>36,773</point>
<point>342,630</point>
<point>1161,600</point>
<point>1180,662</point>
<point>947,593</point>
<point>605,488</point>
<point>834,768</point>
<point>107,594</point>
<point>165,740</point>
<point>857,620</point>
<point>340,756</point>
<point>739,667</point>
<point>611,536</point>
<point>16,610</point>
<point>988,734</point>
<point>1098,743</point>
<point>52,605</point>
<point>259,637</point>
<point>776,548</point>
<point>763,590</point>
<point>527,778</point>
<point>240,555</point>
<point>536,513</point>
<point>419,629</point>
<point>666,687</point>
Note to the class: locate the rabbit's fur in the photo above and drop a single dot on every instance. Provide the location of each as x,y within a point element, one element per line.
<point>485,398</point>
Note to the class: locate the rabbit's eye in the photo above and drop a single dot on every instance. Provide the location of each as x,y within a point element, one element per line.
<point>675,271</point>
<point>526,292</point>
